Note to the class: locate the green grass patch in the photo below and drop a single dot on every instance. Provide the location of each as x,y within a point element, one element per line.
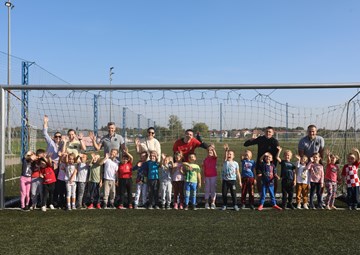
<point>178,232</point>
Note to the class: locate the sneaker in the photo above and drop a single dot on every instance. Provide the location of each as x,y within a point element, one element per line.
<point>333,207</point>
<point>168,207</point>
<point>181,207</point>
<point>327,207</point>
<point>236,208</point>
<point>223,208</point>
<point>291,206</point>
<point>349,208</point>
<point>157,207</point>
<point>91,206</point>
<point>163,206</point>
<point>51,207</point>
<point>355,208</point>
<point>299,206</point>
<point>277,207</point>
<point>194,207</point>
<point>121,207</point>
<point>130,206</point>
<point>33,207</point>
<point>98,206</point>
<point>150,207</point>
<point>26,208</point>
<point>252,207</point>
<point>186,208</point>
<point>260,208</point>
<point>306,207</point>
<point>283,206</point>
<point>175,206</point>
<point>207,206</point>
<point>105,207</point>
<point>68,208</point>
<point>243,206</point>
<point>43,208</point>
<point>213,206</point>
<point>136,207</point>
<point>112,206</point>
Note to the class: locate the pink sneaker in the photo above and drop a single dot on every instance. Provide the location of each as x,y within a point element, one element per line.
<point>260,208</point>
<point>175,206</point>
<point>91,206</point>
<point>277,207</point>
<point>98,206</point>
<point>181,206</point>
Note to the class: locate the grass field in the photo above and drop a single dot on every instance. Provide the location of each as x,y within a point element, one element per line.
<point>179,232</point>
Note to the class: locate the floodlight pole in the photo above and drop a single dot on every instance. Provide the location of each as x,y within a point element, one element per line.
<point>10,6</point>
<point>110,80</point>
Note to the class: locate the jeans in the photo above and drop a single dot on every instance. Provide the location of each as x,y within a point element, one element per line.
<point>267,187</point>
<point>287,188</point>
<point>315,187</point>
<point>94,188</point>
<point>166,189</point>
<point>80,190</point>
<point>353,196</point>
<point>141,190</point>
<point>153,186</point>
<point>190,192</point>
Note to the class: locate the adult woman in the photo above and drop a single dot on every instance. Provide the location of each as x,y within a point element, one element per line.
<point>149,143</point>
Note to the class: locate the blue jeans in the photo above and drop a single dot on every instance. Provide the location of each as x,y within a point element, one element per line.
<point>190,187</point>
<point>264,188</point>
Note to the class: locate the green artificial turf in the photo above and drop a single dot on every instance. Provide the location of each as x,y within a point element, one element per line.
<point>179,232</point>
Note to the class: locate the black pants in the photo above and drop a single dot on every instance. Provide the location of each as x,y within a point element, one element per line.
<point>94,190</point>
<point>153,186</point>
<point>315,187</point>
<point>48,192</point>
<point>60,194</point>
<point>353,196</point>
<point>287,188</point>
<point>125,186</point>
<point>229,185</point>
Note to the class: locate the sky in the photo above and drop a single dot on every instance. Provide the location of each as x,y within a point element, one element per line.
<point>192,42</point>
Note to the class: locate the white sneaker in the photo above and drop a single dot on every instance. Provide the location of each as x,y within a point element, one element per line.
<point>52,207</point>
<point>299,206</point>
<point>207,206</point>
<point>43,208</point>
<point>306,207</point>
<point>213,206</point>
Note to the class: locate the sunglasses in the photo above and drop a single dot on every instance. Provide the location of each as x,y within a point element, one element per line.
<point>57,136</point>
<point>151,132</point>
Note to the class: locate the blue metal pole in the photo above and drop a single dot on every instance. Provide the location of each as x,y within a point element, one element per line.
<point>221,124</point>
<point>96,115</point>
<point>138,124</point>
<point>287,122</point>
<point>25,110</point>
<point>124,124</point>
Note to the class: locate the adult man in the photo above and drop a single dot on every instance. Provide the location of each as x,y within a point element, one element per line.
<point>312,143</point>
<point>265,143</point>
<point>188,144</point>
<point>109,141</point>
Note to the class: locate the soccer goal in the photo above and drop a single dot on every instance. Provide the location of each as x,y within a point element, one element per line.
<point>220,113</point>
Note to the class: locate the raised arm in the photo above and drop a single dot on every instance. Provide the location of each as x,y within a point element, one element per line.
<point>278,154</point>
<point>82,144</point>
<point>93,140</point>
<point>226,150</point>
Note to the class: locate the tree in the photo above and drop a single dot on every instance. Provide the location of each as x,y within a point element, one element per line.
<point>200,127</point>
<point>175,126</point>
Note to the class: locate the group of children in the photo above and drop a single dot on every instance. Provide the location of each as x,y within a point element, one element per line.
<point>77,181</point>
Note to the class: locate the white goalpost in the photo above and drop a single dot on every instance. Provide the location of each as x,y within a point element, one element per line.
<point>223,108</point>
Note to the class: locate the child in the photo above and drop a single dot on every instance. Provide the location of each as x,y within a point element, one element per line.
<point>25,179</point>
<point>210,175</point>
<point>331,180</point>
<point>267,172</point>
<point>141,186</point>
<point>316,175</point>
<point>192,180</point>
<point>302,182</point>
<point>111,166</point>
<point>165,181</point>
<point>288,178</point>
<point>49,179</point>
<point>151,170</point>
<point>70,177</point>
<point>177,177</point>
<point>81,179</point>
<point>351,177</point>
<point>230,172</point>
<point>95,181</point>
<point>125,179</point>
<point>60,185</point>
<point>36,180</point>
<point>247,179</point>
